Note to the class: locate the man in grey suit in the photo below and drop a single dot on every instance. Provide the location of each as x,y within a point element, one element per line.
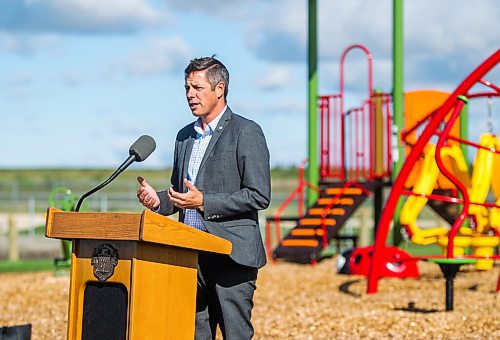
<point>220,179</point>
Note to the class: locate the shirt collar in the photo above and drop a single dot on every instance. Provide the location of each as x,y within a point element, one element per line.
<point>211,126</point>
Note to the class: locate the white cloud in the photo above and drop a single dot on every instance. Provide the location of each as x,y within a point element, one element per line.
<point>443,40</point>
<point>28,45</point>
<point>279,107</point>
<point>81,16</point>
<point>277,77</point>
<point>110,13</point>
<point>159,56</point>
<point>232,10</point>
<point>288,107</point>
<point>449,27</point>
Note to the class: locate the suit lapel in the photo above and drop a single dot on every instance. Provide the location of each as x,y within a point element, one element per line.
<point>187,148</point>
<point>226,117</point>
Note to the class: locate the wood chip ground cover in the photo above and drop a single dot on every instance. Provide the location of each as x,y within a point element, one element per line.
<point>306,302</point>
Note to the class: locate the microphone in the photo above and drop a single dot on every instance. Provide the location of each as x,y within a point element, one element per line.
<point>138,152</point>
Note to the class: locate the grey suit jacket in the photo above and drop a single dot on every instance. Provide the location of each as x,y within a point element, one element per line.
<point>234,177</point>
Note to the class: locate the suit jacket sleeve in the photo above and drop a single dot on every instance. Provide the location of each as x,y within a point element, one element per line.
<point>254,170</point>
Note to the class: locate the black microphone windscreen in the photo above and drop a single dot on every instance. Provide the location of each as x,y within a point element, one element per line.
<point>142,148</point>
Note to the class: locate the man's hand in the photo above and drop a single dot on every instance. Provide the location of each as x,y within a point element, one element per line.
<point>147,194</point>
<point>193,199</point>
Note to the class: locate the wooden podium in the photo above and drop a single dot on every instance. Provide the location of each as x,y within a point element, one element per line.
<point>133,275</point>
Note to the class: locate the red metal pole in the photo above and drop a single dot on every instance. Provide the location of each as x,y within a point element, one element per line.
<point>336,130</point>
<point>489,84</point>
<point>356,143</point>
<point>342,140</point>
<point>328,133</point>
<point>322,137</point>
<point>301,186</point>
<point>465,207</point>
<point>389,154</point>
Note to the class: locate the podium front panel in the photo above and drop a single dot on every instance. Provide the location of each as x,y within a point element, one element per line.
<point>163,297</point>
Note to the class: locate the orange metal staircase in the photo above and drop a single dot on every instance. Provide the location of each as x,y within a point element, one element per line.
<point>322,222</point>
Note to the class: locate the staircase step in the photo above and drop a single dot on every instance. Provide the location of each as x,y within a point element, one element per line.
<point>331,211</point>
<point>317,221</point>
<point>343,201</point>
<point>345,191</point>
<point>306,232</point>
<point>299,243</point>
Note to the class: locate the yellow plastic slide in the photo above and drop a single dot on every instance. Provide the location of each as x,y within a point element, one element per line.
<point>424,185</point>
<point>486,164</point>
<point>482,177</point>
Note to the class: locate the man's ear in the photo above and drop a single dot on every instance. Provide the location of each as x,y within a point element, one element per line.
<point>219,89</point>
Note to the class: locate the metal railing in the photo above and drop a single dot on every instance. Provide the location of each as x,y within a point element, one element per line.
<point>355,143</point>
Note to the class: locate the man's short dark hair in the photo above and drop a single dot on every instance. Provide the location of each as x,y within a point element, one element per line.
<point>216,71</point>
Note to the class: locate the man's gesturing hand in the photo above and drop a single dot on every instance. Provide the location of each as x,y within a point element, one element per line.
<point>193,199</point>
<point>147,195</point>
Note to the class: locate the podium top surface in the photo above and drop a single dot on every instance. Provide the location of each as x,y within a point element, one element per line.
<point>146,227</point>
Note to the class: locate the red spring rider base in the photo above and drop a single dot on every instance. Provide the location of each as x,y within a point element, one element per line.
<point>398,263</point>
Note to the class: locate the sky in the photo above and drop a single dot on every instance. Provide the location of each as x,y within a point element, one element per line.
<point>81,80</point>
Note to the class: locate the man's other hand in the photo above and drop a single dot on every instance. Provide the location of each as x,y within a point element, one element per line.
<point>193,199</point>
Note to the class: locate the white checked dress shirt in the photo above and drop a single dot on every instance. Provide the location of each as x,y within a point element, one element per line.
<point>191,216</point>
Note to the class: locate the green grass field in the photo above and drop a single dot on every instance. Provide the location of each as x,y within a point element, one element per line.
<point>23,190</point>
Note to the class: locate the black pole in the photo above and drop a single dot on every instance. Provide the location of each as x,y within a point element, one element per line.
<point>449,271</point>
<point>449,294</point>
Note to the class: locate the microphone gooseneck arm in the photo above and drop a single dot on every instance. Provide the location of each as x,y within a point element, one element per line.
<point>121,168</point>
<point>139,151</point>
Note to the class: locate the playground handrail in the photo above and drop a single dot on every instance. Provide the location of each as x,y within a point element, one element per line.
<point>369,58</point>
<point>335,201</point>
<point>482,94</point>
<point>366,161</point>
<point>448,199</point>
<point>476,145</point>
<point>299,190</point>
<point>326,120</point>
<point>417,124</point>
<point>352,154</point>
<point>489,84</point>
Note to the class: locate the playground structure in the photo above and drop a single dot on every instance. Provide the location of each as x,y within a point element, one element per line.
<point>351,170</point>
<point>355,163</point>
